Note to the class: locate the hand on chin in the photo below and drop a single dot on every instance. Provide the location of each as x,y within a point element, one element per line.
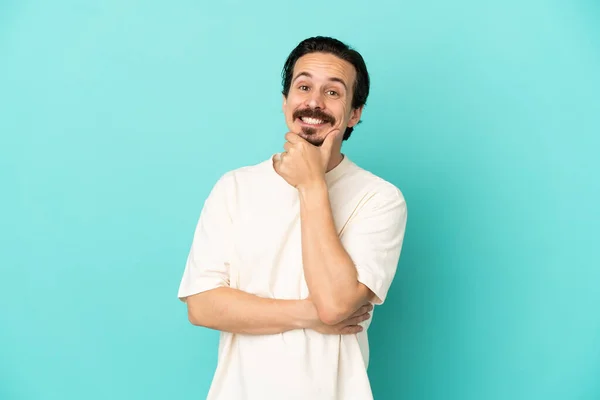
<point>305,160</point>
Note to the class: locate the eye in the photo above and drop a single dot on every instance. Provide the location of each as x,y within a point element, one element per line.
<point>332,93</point>
<point>303,88</point>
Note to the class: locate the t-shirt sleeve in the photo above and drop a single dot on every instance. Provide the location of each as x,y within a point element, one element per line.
<point>207,265</point>
<point>373,239</point>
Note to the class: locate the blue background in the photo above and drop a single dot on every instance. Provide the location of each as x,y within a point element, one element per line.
<point>117,117</point>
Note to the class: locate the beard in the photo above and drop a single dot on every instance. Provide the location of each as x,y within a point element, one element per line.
<point>310,134</point>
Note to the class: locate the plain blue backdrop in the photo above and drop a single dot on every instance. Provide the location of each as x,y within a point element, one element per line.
<point>117,117</point>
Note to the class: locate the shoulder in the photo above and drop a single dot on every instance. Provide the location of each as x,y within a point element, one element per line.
<point>233,185</point>
<point>244,175</point>
<point>380,191</point>
<point>252,171</point>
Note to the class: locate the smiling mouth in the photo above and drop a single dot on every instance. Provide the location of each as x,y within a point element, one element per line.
<point>314,122</point>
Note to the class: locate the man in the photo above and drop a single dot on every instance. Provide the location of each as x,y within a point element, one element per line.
<point>290,255</point>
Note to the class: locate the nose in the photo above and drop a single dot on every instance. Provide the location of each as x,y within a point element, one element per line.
<point>315,100</point>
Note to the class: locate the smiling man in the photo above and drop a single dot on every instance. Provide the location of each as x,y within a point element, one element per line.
<point>290,255</point>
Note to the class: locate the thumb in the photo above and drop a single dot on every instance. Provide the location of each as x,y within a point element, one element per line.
<point>330,140</point>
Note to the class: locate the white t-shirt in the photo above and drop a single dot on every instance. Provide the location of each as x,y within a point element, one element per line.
<point>248,238</point>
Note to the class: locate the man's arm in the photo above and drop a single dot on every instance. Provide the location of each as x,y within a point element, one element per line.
<point>330,273</point>
<point>213,304</point>
<point>231,310</point>
<point>341,273</point>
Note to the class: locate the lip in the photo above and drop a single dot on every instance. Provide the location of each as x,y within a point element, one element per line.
<point>299,120</point>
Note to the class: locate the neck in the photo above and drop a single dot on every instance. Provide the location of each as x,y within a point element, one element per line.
<point>335,160</point>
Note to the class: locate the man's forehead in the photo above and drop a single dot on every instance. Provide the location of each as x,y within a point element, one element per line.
<point>324,65</point>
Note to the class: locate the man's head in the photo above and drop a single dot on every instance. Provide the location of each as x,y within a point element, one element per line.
<point>325,86</point>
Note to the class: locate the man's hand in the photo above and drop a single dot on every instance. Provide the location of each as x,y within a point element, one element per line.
<point>348,326</point>
<point>303,164</point>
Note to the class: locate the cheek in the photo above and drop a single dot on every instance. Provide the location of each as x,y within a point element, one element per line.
<point>343,105</point>
<point>344,111</point>
<point>292,104</point>
<point>288,109</point>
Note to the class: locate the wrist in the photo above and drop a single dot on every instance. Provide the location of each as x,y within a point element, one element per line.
<point>313,188</point>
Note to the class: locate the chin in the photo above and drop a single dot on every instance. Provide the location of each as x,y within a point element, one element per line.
<point>314,139</point>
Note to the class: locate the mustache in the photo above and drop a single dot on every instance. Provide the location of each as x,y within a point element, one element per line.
<point>314,113</point>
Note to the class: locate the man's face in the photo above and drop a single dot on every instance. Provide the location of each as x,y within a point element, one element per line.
<point>320,97</point>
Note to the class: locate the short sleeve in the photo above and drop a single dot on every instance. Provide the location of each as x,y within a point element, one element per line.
<point>373,239</point>
<point>207,265</point>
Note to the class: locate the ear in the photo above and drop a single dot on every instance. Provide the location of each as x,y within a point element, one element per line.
<point>284,102</point>
<point>355,116</point>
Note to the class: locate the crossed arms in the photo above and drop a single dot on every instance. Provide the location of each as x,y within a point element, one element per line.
<point>338,300</point>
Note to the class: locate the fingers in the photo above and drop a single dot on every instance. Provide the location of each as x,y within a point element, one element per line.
<point>351,329</point>
<point>293,138</point>
<point>277,162</point>
<point>357,320</point>
<point>364,309</point>
<point>347,327</point>
<point>351,324</point>
<point>292,141</point>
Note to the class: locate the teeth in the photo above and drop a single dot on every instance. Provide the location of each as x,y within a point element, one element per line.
<point>312,121</point>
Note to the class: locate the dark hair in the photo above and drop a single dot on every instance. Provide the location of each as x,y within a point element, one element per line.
<point>322,44</point>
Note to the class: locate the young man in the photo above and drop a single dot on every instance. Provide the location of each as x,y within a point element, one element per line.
<point>290,255</point>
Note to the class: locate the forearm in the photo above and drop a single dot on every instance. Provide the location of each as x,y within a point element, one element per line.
<point>329,271</point>
<point>231,310</point>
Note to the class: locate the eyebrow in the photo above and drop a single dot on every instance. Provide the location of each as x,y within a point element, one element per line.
<point>332,79</point>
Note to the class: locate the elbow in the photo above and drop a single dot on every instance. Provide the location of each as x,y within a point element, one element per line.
<point>332,314</point>
<point>198,319</point>
<point>335,309</point>
<point>195,317</point>
<point>200,310</point>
